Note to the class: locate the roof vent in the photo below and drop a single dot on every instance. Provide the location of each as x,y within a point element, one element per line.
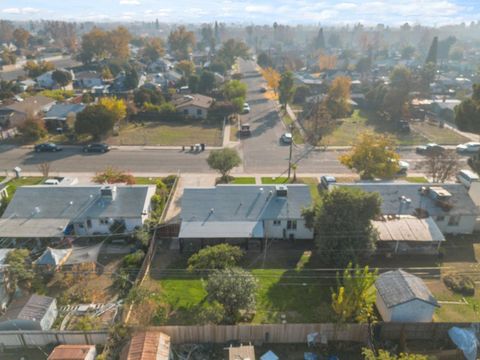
<point>108,192</point>
<point>281,191</point>
<point>439,193</point>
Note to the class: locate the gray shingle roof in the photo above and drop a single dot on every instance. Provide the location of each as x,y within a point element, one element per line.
<point>61,111</point>
<point>398,287</point>
<point>227,209</point>
<point>461,202</point>
<point>31,308</point>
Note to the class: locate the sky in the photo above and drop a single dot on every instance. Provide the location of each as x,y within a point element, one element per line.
<point>328,12</point>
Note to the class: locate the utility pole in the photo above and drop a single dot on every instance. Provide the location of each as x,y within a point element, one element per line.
<point>290,154</point>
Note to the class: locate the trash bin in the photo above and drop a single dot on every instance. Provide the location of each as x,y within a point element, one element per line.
<point>18,172</point>
<point>202,147</point>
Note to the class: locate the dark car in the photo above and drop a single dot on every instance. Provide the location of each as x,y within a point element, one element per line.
<point>327,180</point>
<point>47,147</point>
<point>101,148</point>
<point>430,149</point>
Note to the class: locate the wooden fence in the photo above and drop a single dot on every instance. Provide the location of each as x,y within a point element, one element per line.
<point>270,333</point>
<point>17,339</point>
<point>418,331</point>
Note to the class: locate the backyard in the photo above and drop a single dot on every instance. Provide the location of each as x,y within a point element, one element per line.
<point>165,133</point>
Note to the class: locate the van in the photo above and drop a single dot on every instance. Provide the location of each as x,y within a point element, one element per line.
<point>52,182</point>
<point>467,177</point>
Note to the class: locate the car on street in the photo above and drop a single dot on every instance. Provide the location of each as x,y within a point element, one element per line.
<point>287,138</point>
<point>245,129</point>
<point>100,148</point>
<point>403,167</point>
<point>47,147</point>
<point>429,149</point>
<point>327,180</point>
<point>468,148</point>
<point>246,108</point>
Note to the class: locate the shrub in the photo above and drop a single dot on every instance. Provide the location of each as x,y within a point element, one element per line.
<point>220,256</point>
<point>113,175</point>
<point>133,260</point>
<point>461,284</point>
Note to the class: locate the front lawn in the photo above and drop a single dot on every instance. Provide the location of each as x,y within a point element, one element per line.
<point>164,133</point>
<point>243,181</point>
<point>23,181</point>
<point>439,135</point>
<point>276,180</point>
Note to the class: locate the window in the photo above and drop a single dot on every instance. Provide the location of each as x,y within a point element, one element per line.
<point>277,222</point>
<point>199,112</point>
<point>292,224</point>
<point>185,112</point>
<point>440,218</point>
<point>89,223</point>
<point>454,220</point>
<point>104,221</point>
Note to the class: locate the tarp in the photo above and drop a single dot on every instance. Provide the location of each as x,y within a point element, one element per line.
<point>269,355</point>
<point>466,340</point>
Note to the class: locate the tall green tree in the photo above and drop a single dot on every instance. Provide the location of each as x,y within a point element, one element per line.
<point>224,160</point>
<point>95,120</point>
<point>396,98</point>
<point>62,77</point>
<point>206,83</point>
<point>285,88</point>
<point>354,297</point>
<point>338,96</point>
<point>181,42</point>
<point>467,113</point>
<point>19,273</point>
<point>319,41</point>
<point>235,91</point>
<point>231,50</point>
<point>264,60</point>
<point>433,52</point>
<point>342,223</point>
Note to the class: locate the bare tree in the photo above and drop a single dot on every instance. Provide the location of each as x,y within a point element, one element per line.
<point>441,166</point>
<point>44,169</point>
<point>318,123</point>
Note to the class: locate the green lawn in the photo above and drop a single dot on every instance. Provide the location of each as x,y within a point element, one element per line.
<point>415,179</point>
<point>243,181</point>
<point>272,181</point>
<point>170,134</point>
<point>16,183</point>
<point>439,135</point>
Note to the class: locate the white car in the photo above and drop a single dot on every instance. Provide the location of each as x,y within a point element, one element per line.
<point>246,108</point>
<point>468,148</point>
<point>403,166</point>
<point>287,138</point>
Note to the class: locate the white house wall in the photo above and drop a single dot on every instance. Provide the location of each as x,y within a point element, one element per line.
<point>276,231</point>
<point>466,225</point>
<point>50,316</point>
<point>412,311</point>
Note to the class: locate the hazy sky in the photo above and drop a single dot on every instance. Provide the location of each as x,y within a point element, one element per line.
<point>392,12</point>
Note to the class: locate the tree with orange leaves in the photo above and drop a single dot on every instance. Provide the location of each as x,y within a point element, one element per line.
<point>272,77</point>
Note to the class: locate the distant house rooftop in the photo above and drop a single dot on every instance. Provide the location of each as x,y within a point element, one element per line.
<point>33,103</point>
<point>61,111</point>
<point>148,345</point>
<point>197,100</point>
<point>32,308</point>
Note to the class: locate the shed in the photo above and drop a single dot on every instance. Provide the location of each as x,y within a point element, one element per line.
<point>34,312</point>
<point>53,258</point>
<point>242,352</point>
<point>404,297</point>
<point>73,352</point>
<point>148,345</point>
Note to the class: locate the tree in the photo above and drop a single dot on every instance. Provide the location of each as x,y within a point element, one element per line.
<point>264,60</point>
<point>385,355</point>
<point>44,169</point>
<point>185,67</point>
<point>433,52</point>
<point>94,46</point>
<point>34,69</point>
<point>397,94</point>
<point>327,62</point>
<point>33,128</point>
<point>116,106</point>
<point>218,257</point>
<point>181,42</point>
<point>441,167</point>
<point>147,95</point>
<point>8,57</point>
<point>117,43</point>
<point>224,160</point>
<point>319,41</point>
<point>8,89</point>
<point>234,288</point>
<point>131,79</point>
<point>21,37</point>
<point>95,120</point>
<point>300,94</point>
<point>272,77</point>
<point>354,296</point>
<point>467,113</point>
<point>235,91</point>
<point>19,270</point>
<point>153,49</point>
<point>206,83</point>
<point>62,78</point>
<point>318,123</point>
<point>373,156</point>
<point>231,50</point>
<point>338,96</point>
<point>112,175</point>
<point>342,223</point>
<point>285,88</point>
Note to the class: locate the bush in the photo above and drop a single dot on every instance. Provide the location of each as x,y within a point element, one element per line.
<point>461,284</point>
<point>133,260</point>
<point>33,129</point>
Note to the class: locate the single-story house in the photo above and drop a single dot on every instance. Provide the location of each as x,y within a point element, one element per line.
<point>46,80</point>
<point>60,113</point>
<point>241,352</point>
<point>148,345</point>
<point>73,352</point>
<point>160,65</point>
<point>4,297</point>
<point>31,312</point>
<point>404,297</point>
<point>193,105</point>
<point>244,212</point>
<point>52,259</point>
<point>15,114</point>
<point>407,234</point>
<point>88,79</point>
<point>43,211</point>
<point>449,205</point>
<point>24,85</point>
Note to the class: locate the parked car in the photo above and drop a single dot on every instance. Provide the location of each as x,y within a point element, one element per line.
<point>47,147</point>
<point>101,148</point>
<point>287,138</point>
<point>245,129</point>
<point>468,148</point>
<point>404,126</point>
<point>467,177</point>
<point>246,108</point>
<point>52,182</point>
<point>327,180</point>
<point>431,148</point>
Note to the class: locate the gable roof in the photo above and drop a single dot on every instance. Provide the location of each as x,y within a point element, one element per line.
<point>33,103</point>
<point>53,256</point>
<point>149,345</point>
<point>460,201</point>
<point>398,287</point>
<point>197,100</point>
<point>45,211</point>
<point>71,352</point>
<point>61,111</point>
<point>32,308</point>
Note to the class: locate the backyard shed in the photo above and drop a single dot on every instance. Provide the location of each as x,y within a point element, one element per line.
<point>52,259</point>
<point>148,345</point>
<point>73,352</point>
<point>242,352</point>
<point>404,297</point>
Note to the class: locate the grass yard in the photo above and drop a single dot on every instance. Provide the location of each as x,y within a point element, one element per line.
<point>439,135</point>
<point>243,181</point>
<point>23,181</point>
<point>415,179</point>
<point>273,181</point>
<point>169,134</point>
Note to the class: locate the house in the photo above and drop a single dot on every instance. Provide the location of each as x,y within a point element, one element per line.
<point>449,205</point>
<point>160,65</point>
<point>403,297</point>
<point>407,234</point>
<point>73,352</point>
<point>24,85</point>
<point>194,105</point>
<point>148,345</point>
<point>52,259</point>
<point>60,113</point>
<point>46,80</point>
<point>88,79</point>
<point>31,312</point>
<point>239,213</point>
<point>14,115</point>
<point>43,211</point>
<point>4,297</point>
<point>241,352</point>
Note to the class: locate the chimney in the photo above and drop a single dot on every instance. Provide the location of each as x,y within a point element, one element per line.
<point>108,192</point>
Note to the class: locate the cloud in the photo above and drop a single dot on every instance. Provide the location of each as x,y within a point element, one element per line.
<point>19,11</point>
<point>130,2</point>
<point>258,9</point>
